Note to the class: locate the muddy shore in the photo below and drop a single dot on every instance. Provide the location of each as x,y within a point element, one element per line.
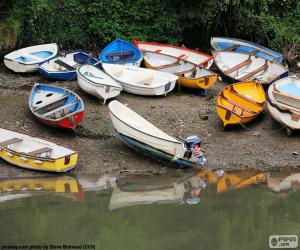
<point>262,144</point>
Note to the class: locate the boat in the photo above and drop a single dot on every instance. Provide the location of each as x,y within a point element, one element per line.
<point>284,102</point>
<point>239,45</point>
<point>141,81</point>
<point>121,52</point>
<point>141,135</point>
<point>240,67</point>
<point>33,153</point>
<point>56,107</point>
<point>192,56</point>
<point>28,59</point>
<point>190,75</point>
<point>64,66</point>
<point>240,102</point>
<point>284,181</point>
<point>95,82</point>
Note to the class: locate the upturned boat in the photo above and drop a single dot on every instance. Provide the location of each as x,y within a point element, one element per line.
<point>138,133</point>
<point>141,81</point>
<point>192,56</point>
<point>250,48</point>
<point>190,75</point>
<point>240,67</point>
<point>34,153</point>
<point>28,59</point>
<point>94,81</point>
<point>284,102</point>
<point>240,103</point>
<point>121,52</point>
<point>56,107</point>
<point>64,66</point>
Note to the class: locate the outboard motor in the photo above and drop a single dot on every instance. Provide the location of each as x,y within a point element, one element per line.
<point>193,145</point>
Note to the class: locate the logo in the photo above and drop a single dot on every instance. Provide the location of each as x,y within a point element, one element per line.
<point>283,241</point>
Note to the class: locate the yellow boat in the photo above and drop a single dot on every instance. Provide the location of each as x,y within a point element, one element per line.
<point>190,75</point>
<point>34,153</point>
<point>240,102</point>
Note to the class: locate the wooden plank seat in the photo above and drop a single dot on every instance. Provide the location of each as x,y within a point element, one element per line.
<point>232,90</point>
<point>180,73</point>
<point>60,108</point>
<point>65,65</point>
<point>53,101</point>
<point>124,53</point>
<point>232,47</point>
<point>238,66</point>
<point>10,142</point>
<point>254,72</point>
<point>164,66</point>
<point>124,60</point>
<point>40,151</point>
<point>229,112</point>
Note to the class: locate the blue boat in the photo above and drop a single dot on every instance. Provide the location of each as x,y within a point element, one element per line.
<point>242,46</point>
<point>121,52</point>
<point>64,66</point>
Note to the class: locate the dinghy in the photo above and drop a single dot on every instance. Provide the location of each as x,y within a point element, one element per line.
<point>190,75</point>
<point>138,133</point>
<point>240,103</point>
<point>239,45</point>
<point>28,59</point>
<point>64,66</point>
<point>242,67</point>
<point>284,102</point>
<point>56,107</point>
<point>121,52</point>
<point>141,81</point>
<point>95,82</point>
<point>192,56</point>
<point>34,153</point>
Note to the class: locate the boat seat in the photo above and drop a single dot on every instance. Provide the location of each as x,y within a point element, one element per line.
<point>10,142</point>
<point>60,108</point>
<point>124,60</point>
<point>40,151</point>
<point>232,47</point>
<point>181,73</point>
<point>254,72</point>
<point>144,79</point>
<point>124,53</point>
<point>238,105</point>
<point>164,66</point>
<point>232,90</point>
<point>64,65</point>
<point>52,101</point>
<point>238,66</point>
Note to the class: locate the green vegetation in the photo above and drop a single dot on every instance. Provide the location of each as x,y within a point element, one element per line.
<point>93,23</point>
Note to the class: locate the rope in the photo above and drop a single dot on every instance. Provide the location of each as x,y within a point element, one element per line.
<point>265,133</point>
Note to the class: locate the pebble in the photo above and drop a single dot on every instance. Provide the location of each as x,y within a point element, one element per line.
<point>295,153</point>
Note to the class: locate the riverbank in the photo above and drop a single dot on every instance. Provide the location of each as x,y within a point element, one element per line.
<point>262,144</point>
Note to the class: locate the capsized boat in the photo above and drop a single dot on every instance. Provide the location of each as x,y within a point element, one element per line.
<point>34,153</point>
<point>121,52</point>
<point>190,75</point>
<point>243,46</point>
<point>64,66</point>
<point>56,107</point>
<point>141,81</point>
<point>284,102</point>
<point>192,56</point>
<point>241,102</point>
<point>241,67</point>
<point>138,133</point>
<point>28,59</point>
<point>94,81</point>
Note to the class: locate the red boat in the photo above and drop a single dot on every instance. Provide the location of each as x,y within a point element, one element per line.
<point>55,106</point>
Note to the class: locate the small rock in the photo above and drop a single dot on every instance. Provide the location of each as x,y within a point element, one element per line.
<point>295,153</point>
<point>204,117</point>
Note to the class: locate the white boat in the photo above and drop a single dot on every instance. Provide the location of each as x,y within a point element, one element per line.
<point>95,82</point>
<point>143,136</point>
<point>141,81</point>
<point>243,67</point>
<point>192,56</point>
<point>284,102</point>
<point>28,59</point>
<point>283,181</point>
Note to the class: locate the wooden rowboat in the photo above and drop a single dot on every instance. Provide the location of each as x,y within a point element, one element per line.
<point>34,153</point>
<point>241,67</point>
<point>28,59</point>
<point>121,52</point>
<point>138,133</point>
<point>190,75</point>
<point>242,46</point>
<point>240,103</point>
<point>141,81</point>
<point>95,82</point>
<point>56,107</point>
<point>284,102</point>
<point>192,56</point>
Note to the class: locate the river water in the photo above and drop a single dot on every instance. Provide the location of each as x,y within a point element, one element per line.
<point>189,210</point>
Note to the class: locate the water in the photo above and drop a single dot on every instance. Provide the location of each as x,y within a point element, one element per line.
<point>194,210</point>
